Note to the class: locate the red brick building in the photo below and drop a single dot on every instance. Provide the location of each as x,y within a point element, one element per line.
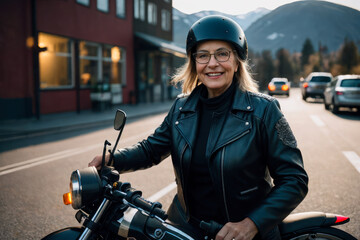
<point>83,47</point>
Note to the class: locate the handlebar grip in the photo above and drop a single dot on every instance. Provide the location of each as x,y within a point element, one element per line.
<point>149,206</point>
<point>211,228</point>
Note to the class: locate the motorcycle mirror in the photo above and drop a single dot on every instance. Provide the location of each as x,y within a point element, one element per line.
<point>119,123</point>
<point>119,120</point>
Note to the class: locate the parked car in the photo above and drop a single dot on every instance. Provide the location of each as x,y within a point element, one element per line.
<point>279,86</point>
<point>343,91</point>
<point>314,85</point>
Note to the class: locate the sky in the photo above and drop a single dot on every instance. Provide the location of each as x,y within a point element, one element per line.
<point>241,6</point>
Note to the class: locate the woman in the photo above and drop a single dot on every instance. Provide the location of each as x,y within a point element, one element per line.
<point>234,155</point>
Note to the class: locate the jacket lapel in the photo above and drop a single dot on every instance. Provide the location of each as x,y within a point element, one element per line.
<point>187,122</point>
<point>234,125</point>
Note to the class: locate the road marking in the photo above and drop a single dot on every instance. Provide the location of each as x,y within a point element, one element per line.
<point>317,120</point>
<point>162,192</point>
<point>60,155</point>
<point>353,158</point>
<point>45,159</point>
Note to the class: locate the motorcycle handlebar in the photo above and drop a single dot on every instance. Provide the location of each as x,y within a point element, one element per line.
<point>211,228</point>
<point>133,196</point>
<point>152,208</point>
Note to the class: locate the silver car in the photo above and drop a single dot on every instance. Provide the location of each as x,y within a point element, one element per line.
<point>315,84</point>
<point>343,91</point>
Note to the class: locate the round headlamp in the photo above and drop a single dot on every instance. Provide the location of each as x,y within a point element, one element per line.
<point>85,186</point>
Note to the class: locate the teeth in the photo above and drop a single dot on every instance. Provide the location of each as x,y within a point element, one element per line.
<point>214,74</point>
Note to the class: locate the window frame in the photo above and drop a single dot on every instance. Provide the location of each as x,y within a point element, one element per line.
<point>83,2</point>
<point>98,7</point>
<point>70,55</point>
<point>122,15</point>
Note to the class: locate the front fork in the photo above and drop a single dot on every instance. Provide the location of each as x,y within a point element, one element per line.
<point>95,219</point>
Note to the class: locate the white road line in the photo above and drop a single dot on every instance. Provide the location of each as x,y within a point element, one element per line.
<point>46,159</point>
<point>162,192</point>
<point>317,121</point>
<point>353,158</point>
<point>60,155</point>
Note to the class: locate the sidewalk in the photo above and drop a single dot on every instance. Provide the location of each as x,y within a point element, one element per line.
<point>60,122</point>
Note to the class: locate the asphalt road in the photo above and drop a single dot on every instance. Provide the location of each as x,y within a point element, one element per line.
<point>34,177</point>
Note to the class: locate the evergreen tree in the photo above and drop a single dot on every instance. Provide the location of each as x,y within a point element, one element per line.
<point>306,52</point>
<point>265,69</point>
<point>349,56</point>
<point>284,67</point>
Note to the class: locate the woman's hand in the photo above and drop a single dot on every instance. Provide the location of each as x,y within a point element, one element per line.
<point>96,162</point>
<point>244,230</point>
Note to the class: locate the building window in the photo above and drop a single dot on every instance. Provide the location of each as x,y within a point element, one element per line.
<point>113,64</point>
<point>55,62</point>
<point>89,64</point>
<point>101,65</point>
<point>165,20</point>
<point>152,13</point>
<point>139,9</point>
<point>120,8</point>
<point>83,2</point>
<point>103,5</point>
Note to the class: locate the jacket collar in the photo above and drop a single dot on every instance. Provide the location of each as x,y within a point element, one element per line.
<point>242,101</point>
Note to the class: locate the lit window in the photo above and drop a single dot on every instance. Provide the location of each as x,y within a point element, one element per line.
<point>120,8</point>
<point>152,13</point>
<point>55,62</point>
<point>165,20</point>
<point>83,2</point>
<point>103,5</point>
<point>89,64</point>
<point>101,65</point>
<point>113,64</point>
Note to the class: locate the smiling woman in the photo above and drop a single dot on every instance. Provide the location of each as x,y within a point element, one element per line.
<point>220,133</point>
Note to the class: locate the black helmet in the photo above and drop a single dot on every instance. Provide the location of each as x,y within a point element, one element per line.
<point>217,27</point>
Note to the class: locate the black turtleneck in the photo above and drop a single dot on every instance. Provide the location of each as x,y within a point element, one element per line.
<point>204,203</point>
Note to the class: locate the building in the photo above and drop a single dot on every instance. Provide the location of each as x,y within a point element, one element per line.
<point>72,55</point>
<point>156,56</point>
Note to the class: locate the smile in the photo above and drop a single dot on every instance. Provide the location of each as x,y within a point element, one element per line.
<point>213,74</point>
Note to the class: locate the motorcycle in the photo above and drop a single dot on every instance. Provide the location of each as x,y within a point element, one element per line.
<point>111,209</point>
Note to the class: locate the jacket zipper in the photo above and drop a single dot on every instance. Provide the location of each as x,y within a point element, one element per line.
<point>223,184</point>
<point>181,165</point>
<point>222,173</point>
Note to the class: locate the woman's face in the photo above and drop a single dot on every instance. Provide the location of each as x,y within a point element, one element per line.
<point>216,76</point>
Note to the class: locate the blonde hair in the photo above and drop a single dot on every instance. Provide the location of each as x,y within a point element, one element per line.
<point>187,76</point>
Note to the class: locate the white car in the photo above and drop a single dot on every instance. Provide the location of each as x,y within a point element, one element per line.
<point>279,86</point>
<point>343,91</point>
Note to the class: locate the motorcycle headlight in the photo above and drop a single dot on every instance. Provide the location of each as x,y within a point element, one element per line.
<point>85,187</point>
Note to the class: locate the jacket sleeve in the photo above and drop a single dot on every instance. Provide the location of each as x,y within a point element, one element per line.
<point>148,152</point>
<point>285,164</point>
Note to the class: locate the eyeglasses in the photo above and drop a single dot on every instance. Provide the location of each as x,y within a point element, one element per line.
<point>221,55</point>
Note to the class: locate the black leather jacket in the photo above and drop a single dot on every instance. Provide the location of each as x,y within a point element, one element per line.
<point>252,144</point>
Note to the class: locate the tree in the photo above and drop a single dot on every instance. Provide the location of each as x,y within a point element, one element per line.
<point>284,66</point>
<point>265,69</point>
<point>349,56</point>
<point>306,52</point>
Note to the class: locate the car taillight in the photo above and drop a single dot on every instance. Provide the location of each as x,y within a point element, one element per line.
<point>339,93</point>
<point>284,87</point>
<point>272,87</point>
<point>305,85</point>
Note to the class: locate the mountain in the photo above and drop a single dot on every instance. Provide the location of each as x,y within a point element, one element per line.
<point>289,25</point>
<point>182,21</point>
